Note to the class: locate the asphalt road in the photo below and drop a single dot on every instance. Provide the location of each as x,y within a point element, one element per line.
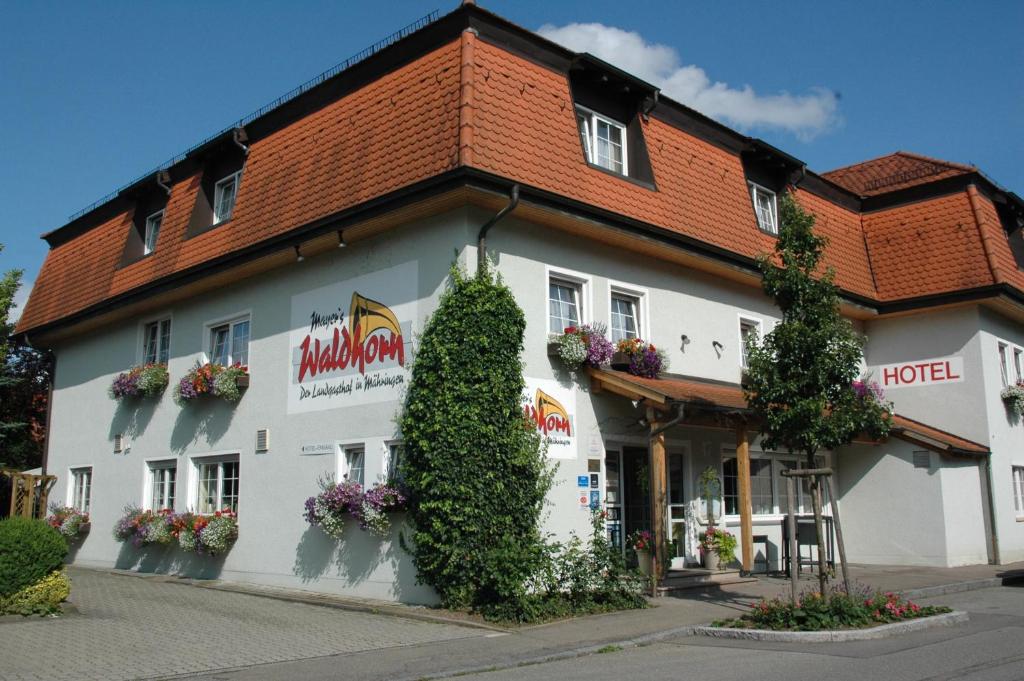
<point>989,648</point>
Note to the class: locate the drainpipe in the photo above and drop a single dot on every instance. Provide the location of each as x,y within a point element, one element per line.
<point>162,178</point>
<point>239,137</point>
<point>481,239</point>
<point>674,421</point>
<point>991,511</point>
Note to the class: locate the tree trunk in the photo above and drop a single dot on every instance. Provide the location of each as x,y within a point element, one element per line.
<point>816,496</point>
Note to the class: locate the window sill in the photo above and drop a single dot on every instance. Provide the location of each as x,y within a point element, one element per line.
<point>627,178</point>
<point>192,233</point>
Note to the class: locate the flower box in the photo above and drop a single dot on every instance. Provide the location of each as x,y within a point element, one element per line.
<point>620,361</point>
<point>148,380</point>
<point>213,380</point>
<point>581,346</point>
<point>552,348</point>
<point>242,382</point>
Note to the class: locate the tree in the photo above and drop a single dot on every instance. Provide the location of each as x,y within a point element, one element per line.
<point>24,387</point>
<point>474,468</point>
<point>802,377</point>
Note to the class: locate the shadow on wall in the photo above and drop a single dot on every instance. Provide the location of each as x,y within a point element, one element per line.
<point>358,557</point>
<point>131,417</point>
<point>208,418</point>
<point>168,559</point>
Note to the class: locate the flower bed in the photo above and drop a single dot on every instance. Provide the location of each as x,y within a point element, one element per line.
<point>68,521</point>
<point>148,380</point>
<point>584,345</point>
<point>203,534</point>
<point>337,501</point>
<point>835,610</point>
<point>639,358</point>
<point>214,380</point>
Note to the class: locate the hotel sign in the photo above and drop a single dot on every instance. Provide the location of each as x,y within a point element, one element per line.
<point>351,342</point>
<point>920,372</point>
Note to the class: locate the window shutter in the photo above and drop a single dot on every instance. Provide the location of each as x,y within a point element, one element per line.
<point>262,440</point>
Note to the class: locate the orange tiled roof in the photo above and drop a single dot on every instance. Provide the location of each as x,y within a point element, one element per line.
<point>899,170</point>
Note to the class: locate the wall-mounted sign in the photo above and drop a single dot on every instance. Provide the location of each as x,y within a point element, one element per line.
<point>920,372</point>
<point>582,481</point>
<point>351,342</point>
<point>316,449</point>
<point>553,409</point>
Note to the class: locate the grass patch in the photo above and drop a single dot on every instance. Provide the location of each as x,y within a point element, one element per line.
<point>609,649</point>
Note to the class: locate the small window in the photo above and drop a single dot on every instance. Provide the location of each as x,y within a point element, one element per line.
<point>156,342</point>
<point>353,460</point>
<point>152,231</point>
<point>224,194</point>
<point>162,482</point>
<point>1018,490</point>
<point>625,317</point>
<point>766,208</point>
<point>1004,373</point>
<point>563,304</point>
<point>81,489</point>
<point>749,329</point>
<point>1018,363</point>
<point>218,485</point>
<point>393,473</point>
<point>604,141</point>
<point>229,343</point>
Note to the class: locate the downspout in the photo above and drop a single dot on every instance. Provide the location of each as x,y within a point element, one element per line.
<point>239,137</point>
<point>996,560</point>
<point>481,239</point>
<point>674,421</point>
<point>800,178</point>
<point>162,178</point>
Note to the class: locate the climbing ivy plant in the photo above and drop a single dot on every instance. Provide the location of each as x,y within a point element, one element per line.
<point>475,470</point>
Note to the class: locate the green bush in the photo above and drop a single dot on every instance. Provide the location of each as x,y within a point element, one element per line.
<point>29,551</point>
<point>42,598</point>
<point>475,470</point>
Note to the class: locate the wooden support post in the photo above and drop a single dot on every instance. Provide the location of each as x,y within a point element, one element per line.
<point>746,508</point>
<point>839,532</point>
<point>659,502</point>
<point>794,560</point>
<point>816,498</point>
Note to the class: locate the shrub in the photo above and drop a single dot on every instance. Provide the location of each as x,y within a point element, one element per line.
<point>42,598</point>
<point>29,551</point>
<point>474,468</point>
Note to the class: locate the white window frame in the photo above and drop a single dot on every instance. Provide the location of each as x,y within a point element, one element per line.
<point>754,188</point>
<point>1004,366</point>
<point>73,488</point>
<point>746,319</point>
<point>152,466</point>
<point>583,284</point>
<point>801,505</point>
<point>1017,482</point>
<point>144,326</point>
<point>218,189</point>
<point>1018,364</point>
<point>197,462</point>
<point>343,465</point>
<point>149,239</point>
<point>230,321</point>
<point>590,151</point>
<point>640,296</point>
<point>387,476</point>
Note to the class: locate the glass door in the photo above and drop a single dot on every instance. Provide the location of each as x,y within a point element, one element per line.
<point>676,515</point>
<point>636,489</point>
<point>613,496</point>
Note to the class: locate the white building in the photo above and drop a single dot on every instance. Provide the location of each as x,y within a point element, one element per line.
<point>632,210</point>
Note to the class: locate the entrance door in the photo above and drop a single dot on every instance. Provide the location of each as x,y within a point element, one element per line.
<point>676,508</point>
<point>636,482</point>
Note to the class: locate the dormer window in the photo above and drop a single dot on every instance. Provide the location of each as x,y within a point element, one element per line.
<point>766,208</point>
<point>224,195</point>
<point>604,141</point>
<point>152,231</point>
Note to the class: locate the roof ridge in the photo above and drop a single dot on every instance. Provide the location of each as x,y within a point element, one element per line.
<point>906,154</point>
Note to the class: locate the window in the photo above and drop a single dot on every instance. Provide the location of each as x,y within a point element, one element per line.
<point>353,459</point>
<point>162,481</point>
<point>229,343</point>
<point>563,304</point>
<point>393,470</point>
<point>1017,364</point>
<point>768,489</point>
<point>625,317</point>
<point>81,489</point>
<point>156,342</point>
<point>604,140</point>
<point>152,231</point>
<point>224,193</point>
<point>1003,371</point>
<point>1018,490</point>
<point>218,485</point>
<point>749,328</point>
<point>765,208</point>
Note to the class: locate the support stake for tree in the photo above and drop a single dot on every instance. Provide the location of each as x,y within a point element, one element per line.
<point>816,496</point>
<point>791,527</point>
<point>839,531</point>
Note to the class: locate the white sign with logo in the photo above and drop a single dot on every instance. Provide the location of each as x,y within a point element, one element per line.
<point>351,342</point>
<point>920,372</point>
<point>317,449</point>
<point>553,409</point>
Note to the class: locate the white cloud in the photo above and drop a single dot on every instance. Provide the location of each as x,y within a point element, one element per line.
<point>20,298</point>
<point>806,115</point>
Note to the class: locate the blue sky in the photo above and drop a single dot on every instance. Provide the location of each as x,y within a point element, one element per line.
<point>94,94</point>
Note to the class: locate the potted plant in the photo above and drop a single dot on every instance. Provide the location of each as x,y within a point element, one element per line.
<point>718,547</point>
<point>225,382</point>
<point>639,358</point>
<point>579,346</point>
<point>336,502</point>
<point>1013,396</point>
<point>70,522</point>
<point>148,380</point>
<point>709,486</point>
<point>641,541</point>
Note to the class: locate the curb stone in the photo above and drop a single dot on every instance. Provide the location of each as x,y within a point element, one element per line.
<point>960,587</point>
<point>886,630</point>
